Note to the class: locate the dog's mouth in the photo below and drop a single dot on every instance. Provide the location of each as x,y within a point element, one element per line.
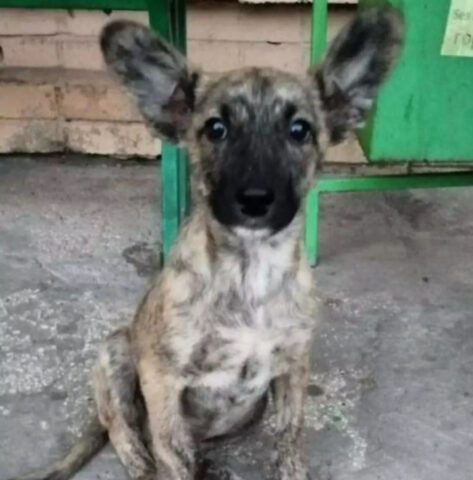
<point>261,222</point>
<point>257,208</point>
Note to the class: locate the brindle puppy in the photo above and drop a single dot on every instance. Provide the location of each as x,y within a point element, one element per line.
<point>232,312</point>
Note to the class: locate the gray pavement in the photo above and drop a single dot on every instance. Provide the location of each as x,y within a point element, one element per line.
<point>391,394</point>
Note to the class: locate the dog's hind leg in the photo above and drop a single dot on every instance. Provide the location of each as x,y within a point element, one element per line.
<point>120,407</point>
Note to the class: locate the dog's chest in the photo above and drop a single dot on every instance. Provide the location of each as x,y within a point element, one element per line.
<point>232,370</point>
<point>254,316</point>
<point>251,331</point>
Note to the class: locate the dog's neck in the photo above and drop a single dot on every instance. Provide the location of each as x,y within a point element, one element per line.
<point>256,268</point>
<point>241,238</point>
<point>261,258</point>
<point>246,240</point>
<point>208,247</point>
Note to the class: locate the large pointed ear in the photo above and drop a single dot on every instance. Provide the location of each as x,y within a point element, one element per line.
<point>155,73</point>
<point>357,63</point>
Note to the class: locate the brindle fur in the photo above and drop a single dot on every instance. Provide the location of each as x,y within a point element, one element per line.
<point>230,317</point>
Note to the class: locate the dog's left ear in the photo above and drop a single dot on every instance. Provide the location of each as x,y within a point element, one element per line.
<point>356,64</point>
<point>156,75</point>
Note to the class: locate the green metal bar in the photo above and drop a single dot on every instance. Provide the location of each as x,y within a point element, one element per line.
<point>318,41</point>
<point>170,211</point>
<point>159,12</point>
<point>184,193</point>
<point>168,18</point>
<point>77,4</point>
<point>160,21</point>
<point>395,182</point>
<point>181,26</point>
<point>179,22</point>
<point>311,233</point>
<point>370,183</point>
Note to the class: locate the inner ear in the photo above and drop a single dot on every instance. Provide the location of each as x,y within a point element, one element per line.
<point>357,63</point>
<point>155,73</point>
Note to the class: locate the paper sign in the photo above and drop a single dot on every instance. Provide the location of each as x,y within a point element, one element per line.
<point>458,39</point>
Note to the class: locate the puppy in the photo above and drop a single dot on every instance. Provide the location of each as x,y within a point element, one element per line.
<point>230,317</point>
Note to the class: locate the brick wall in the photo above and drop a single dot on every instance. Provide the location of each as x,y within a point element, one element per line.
<point>56,96</point>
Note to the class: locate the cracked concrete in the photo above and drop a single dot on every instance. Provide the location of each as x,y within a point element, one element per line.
<point>391,393</point>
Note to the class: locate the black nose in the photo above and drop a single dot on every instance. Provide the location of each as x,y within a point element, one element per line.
<point>254,202</point>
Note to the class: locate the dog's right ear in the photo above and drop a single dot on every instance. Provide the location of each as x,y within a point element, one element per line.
<point>357,63</point>
<point>156,75</point>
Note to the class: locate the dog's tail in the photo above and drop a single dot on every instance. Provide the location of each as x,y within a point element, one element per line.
<point>91,441</point>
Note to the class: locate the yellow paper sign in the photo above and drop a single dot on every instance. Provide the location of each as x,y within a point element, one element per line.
<point>458,39</point>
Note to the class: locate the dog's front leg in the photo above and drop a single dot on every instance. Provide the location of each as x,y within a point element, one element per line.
<point>289,392</point>
<point>172,443</point>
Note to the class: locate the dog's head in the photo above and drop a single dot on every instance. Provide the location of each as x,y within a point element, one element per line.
<point>255,135</point>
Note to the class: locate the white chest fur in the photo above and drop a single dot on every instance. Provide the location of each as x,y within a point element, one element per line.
<point>251,319</point>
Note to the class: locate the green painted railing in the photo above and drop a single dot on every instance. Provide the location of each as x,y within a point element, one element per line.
<point>366,184</point>
<point>359,184</point>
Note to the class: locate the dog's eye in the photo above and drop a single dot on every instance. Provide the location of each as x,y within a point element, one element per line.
<point>299,131</point>
<point>215,129</point>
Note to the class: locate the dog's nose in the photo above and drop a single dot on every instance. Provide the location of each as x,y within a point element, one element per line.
<point>255,201</point>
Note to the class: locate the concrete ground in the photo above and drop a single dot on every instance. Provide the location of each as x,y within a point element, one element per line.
<point>391,394</point>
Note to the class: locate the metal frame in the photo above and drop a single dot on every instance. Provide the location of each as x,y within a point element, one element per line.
<point>366,184</point>
<point>168,17</point>
<point>358,184</point>
<point>174,165</point>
